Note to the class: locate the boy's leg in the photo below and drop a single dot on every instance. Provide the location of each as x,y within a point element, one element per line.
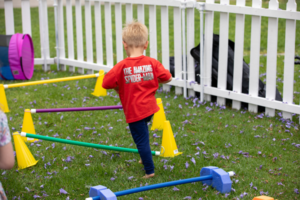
<point>140,134</point>
<point>147,119</point>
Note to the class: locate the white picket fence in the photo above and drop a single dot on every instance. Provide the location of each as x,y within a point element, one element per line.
<point>184,39</point>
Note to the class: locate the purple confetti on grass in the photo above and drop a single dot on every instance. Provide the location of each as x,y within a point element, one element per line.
<point>175,189</point>
<point>130,177</point>
<point>186,165</point>
<point>62,191</point>
<point>68,159</point>
<point>171,168</point>
<point>36,196</point>
<point>45,195</point>
<point>216,155</point>
<point>188,197</point>
<point>193,160</point>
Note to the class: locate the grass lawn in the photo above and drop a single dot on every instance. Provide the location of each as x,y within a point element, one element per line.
<point>263,151</point>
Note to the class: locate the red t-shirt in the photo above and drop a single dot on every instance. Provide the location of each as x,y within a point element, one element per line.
<point>137,81</point>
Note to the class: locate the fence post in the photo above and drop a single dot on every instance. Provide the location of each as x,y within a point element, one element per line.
<point>223,52</point>
<point>88,34</point>
<point>108,35</point>
<point>177,47</point>
<point>141,15</point>
<point>254,55</point>
<point>190,43</point>
<point>183,6</point>
<point>61,35</point>
<point>9,17</point>
<point>44,33</point>
<point>70,34</point>
<point>152,31</point>
<point>26,18</point>
<point>79,36</point>
<point>118,23</point>
<point>129,12</point>
<point>238,55</point>
<point>288,84</point>
<point>98,25</point>
<point>208,47</point>
<point>56,34</point>
<point>272,57</point>
<point>165,47</point>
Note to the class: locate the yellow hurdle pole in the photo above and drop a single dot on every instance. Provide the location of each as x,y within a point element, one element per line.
<point>51,80</point>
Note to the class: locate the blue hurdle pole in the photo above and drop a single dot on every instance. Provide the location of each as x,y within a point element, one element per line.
<point>159,185</point>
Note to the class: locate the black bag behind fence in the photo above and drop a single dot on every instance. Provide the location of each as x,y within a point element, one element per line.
<point>195,52</point>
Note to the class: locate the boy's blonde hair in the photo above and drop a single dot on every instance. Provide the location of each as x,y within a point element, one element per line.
<point>135,34</point>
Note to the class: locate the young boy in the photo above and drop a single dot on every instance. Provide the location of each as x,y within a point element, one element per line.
<point>136,80</point>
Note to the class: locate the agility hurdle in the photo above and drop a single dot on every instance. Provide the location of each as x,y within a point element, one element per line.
<point>98,91</point>
<point>75,109</point>
<point>217,178</point>
<point>85,144</point>
<point>28,126</point>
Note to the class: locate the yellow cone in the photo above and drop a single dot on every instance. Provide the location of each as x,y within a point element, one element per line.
<point>3,100</point>
<point>168,147</point>
<point>24,157</point>
<point>159,117</point>
<point>99,90</point>
<point>28,126</point>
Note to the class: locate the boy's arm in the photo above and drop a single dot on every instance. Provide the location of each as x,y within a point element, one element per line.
<point>163,82</point>
<point>163,75</point>
<point>110,81</point>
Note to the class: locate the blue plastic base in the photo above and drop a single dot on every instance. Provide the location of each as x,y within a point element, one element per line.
<point>207,171</point>
<point>221,180</point>
<point>95,190</point>
<point>102,192</point>
<point>107,194</point>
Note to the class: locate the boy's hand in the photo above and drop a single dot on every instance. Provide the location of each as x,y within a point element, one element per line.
<point>163,82</point>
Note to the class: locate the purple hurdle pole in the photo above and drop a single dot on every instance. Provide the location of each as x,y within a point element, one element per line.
<point>75,109</point>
